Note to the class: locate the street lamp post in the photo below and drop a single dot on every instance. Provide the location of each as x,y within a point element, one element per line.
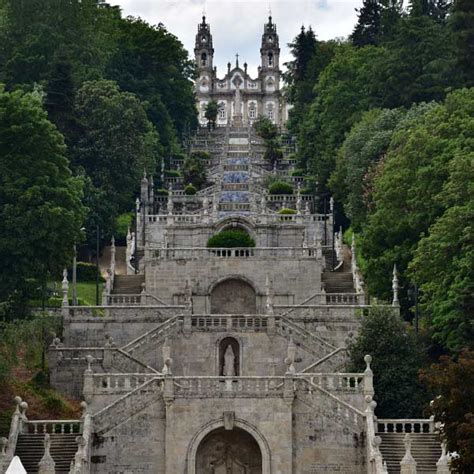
<point>74,276</point>
<point>97,267</point>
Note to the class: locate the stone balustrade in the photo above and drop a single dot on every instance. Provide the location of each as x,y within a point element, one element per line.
<point>289,198</point>
<point>235,186</point>
<point>229,322</point>
<point>406,425</point>
<point>115,383</point>
<point>52,426</point>
<point>196,253</point>
<point>76,355</point>
<point>228,206</point>
<point>116,299</point>
<point>212,387</point>
<point>339,382</point>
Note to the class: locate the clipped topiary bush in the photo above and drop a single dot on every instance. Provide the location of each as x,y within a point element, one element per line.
<point>190,190</point>
<point>172,174</point>
<point>306,191</point>
<point>161,192</point>
<point>231,239</point>
<point>280,187</point>
<point>286,210</point>
<point>201,155</point>
<point>297,172</point>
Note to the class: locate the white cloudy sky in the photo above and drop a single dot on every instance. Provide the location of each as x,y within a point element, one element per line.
<point>237,25</point>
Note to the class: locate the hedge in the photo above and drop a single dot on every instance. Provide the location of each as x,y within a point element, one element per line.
<point>190,190</point>
<point>286,210</point>
<point>280,187</point>
<point>85,272</point>
<point>231,239</point>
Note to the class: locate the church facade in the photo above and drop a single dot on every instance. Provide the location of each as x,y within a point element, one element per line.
<point>240,98</point>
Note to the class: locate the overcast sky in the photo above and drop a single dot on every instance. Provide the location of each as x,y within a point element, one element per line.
<point>237,25</point>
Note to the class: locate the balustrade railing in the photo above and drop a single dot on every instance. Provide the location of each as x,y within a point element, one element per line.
<point>230,386</point>
<point>230,322</point>
<point>113,383</point>
<point>338,382</point>
<point>406,426</point>
<point>53,426</point>
<point>237,252</point>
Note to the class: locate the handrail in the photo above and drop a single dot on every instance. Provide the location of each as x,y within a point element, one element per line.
<point>323,359</point>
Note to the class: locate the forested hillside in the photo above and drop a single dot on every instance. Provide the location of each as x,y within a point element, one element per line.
<point>385,124</point>
<point>88,101</point>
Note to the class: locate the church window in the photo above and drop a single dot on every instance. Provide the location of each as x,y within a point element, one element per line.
<point>203,59</point>
<point>270,59</point>
<point>270,112</point>
<point>252,111</point>
<point>222,111</point>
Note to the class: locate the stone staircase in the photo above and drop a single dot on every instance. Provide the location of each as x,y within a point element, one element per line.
<point>128,284</point>
<point>30,450</point>
<point>340,280</point>
<point>425,449</point>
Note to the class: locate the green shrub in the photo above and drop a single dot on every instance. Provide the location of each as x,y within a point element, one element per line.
<point>161,192</point>
<point>201,155</point>
<point>53,402</point>
<point>85,272</point>
<point>190,190</point>
<point>286,210</point>
<point>306,191</point>
<point>172,174</point>
<point>280,187</point>
<point>231,239</point>
<point>297,172</point>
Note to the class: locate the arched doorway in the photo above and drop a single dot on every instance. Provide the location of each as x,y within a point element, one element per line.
<point>233,296</point>
<point>228,452</point>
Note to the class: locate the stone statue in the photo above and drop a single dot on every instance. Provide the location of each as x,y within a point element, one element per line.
<point>229,362</point>
<point>237,106</point>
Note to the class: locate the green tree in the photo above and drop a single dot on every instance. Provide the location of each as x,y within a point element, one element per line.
<point>116,141</point>
<point>367,30</point>
<point>194,172</point>
<point>40,202</point>
<point>443,264</point>
<point>397,357</point>
<point>212,110</point>
<point>452,385</point>
<point>463,28</point>
<point>406,193</point>
<point>342,94</point>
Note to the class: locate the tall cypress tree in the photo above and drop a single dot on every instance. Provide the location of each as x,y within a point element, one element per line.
<point>367,30</point>
<point>463,28</point>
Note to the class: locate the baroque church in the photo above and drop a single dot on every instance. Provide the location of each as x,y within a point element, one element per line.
<point>238,95</point>
<point>223,360</point>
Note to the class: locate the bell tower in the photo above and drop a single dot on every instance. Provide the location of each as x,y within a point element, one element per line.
<point>203,50</point>
<point>269,72</point>
<point>270,50</point>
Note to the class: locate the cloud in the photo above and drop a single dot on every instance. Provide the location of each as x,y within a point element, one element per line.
<point>237,25</point>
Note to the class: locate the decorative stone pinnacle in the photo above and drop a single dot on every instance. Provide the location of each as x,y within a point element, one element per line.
<point>3,447</point>
<point>137,204</point>
<point>368,360</point>
<point>47,464</point>
<point>65,288</point>
<point>408,464</point>
<point>17,400</point>
<point>89,360</point>
<point>84,408</point>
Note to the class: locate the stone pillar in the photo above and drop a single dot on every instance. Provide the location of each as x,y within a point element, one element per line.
<point>395,301</point>
<point>88,389</point>
<point>408,463</point>
<point>368,377</point>
<point>442,466</point>
<point>3,454</point>
<point>47,464</point>
<point>65,291</point>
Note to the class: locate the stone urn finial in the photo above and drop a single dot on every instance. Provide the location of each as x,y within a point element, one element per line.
<point>47,464</point>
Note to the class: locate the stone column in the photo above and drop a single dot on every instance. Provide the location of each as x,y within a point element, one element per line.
<point>368,377</point>
<point>88,389</point>
<point>442,466</point>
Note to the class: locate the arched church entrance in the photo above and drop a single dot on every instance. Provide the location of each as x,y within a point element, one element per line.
<point>229,452</point>
<point>233,296</point>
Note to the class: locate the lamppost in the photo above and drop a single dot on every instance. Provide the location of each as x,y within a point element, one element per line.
<point>413,293</point>
<point>74,272</point>
<point>97,266</point>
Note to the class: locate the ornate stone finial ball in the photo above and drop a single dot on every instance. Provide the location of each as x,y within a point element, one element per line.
<point>24,406</point>
<point>373,405</point>
<point>368,359</point>
<point>377,441</point>
<point>17,400</point>
<point>287,361</point>
<point>89,358</point>
<point>168,361</point>
<point>84,405</point>
<point>368,398</point>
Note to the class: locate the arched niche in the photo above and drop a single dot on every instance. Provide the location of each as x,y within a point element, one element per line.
<point>233,296</point>
<point>253,453</point>
<point>224,345</point>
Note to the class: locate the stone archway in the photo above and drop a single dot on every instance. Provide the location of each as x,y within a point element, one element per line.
<point>247,434</point>
<point>233,296</point>
<point>228,452</point>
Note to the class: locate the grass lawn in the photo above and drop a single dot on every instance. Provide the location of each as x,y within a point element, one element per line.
<point>86,292</point>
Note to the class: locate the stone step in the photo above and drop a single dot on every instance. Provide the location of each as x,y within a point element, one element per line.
<point>128,284</point>
<point>426,450</point>
<point>30,450</point>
